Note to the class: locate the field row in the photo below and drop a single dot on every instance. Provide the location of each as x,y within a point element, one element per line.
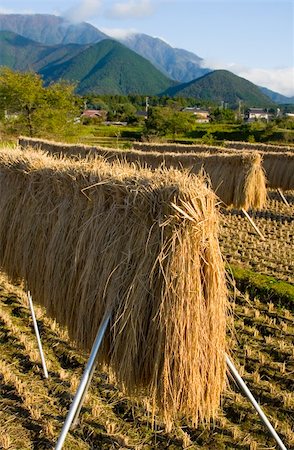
<point>33,410</point>
<point>241,245</point>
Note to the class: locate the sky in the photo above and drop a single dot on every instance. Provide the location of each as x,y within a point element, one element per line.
<point>252,38</point>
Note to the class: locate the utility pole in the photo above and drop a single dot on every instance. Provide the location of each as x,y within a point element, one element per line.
<point>146,105</point>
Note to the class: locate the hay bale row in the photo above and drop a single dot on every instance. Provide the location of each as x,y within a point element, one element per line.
<point>278,161</point>
<point>88,237</point>
<point>279,169</point>
<point>237,179</point>
<point>258,146</point>
<point>177,148</point>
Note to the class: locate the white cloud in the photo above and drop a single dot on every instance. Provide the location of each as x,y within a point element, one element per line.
<point>6,11</point>
<point>83,10</point>
<point>131,8</point>
<point>280,80</point>
<point>16,11</point>
<point>119,33</point>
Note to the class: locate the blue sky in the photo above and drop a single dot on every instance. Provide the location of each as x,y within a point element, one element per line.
<point>253,38</point>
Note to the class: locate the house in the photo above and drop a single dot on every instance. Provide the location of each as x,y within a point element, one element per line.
<point>94,114</point>
<point>142,114</point>
<point>202,115</point>
<point>254,114</point>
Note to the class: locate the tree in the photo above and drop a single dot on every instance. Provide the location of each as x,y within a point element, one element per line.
<point>164,120</point>
<point>223,115</point>
<point>30,108</point>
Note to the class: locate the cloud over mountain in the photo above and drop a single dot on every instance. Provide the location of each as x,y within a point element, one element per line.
<point>131,8</point>
<point>83,10</point>
<point>280,79</point>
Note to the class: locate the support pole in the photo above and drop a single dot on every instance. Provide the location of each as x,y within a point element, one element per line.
<point>242,385</point>
<point>253,224</point>
<point>37,335</point>
<point>84,383</point>
<point>283,197</point>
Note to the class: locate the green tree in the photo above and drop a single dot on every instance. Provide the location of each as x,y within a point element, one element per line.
<point>163,120</point>
<point>30,108</point>
<point>155,124</point>
<point>223,115</point>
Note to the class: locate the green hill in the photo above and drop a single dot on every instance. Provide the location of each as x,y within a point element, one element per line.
<point>222,86</point>
<point>109,67</point>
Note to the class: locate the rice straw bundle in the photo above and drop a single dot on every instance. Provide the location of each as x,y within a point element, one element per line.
<point>258,146</point>
<point>177,148</point>
<point>238,179</point>
<point>279,168</point>
<point>88,237</point>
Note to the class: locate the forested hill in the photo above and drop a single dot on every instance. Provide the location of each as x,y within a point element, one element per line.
<point>23,54</point>
<point>109,67</point>
<point>222,86</point>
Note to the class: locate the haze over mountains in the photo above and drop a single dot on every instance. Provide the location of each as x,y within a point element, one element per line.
<point>56,48</point>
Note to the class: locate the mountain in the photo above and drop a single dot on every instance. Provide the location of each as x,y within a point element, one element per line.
<point>276,97</point>
<point>222,86</point>
<point>109,67</point>
<point>176,63</point>
<point>49,29</point>
<point>20,53</point>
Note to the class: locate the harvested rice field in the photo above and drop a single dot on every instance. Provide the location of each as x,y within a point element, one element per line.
<point>260,333</point>
<point>32,410</point>
<point>242,246</point>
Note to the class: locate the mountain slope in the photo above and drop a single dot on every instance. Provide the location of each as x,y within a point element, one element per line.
<point>20,53</point>
<point>50,29</point>
<point>109,68</point>
<point>177,64</point>
<point>222,86</point>
<point>276,97</point>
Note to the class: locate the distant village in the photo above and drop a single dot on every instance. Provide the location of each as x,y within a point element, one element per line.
<point>201,115</point>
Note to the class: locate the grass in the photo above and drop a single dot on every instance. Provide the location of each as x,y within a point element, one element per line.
<point>265,287</point>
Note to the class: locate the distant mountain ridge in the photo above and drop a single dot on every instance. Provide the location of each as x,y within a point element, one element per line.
<point>177,64</point>
<point>276,97</point>
<point>50,30</point>
<point>54,47</point>
<point>107,67</point>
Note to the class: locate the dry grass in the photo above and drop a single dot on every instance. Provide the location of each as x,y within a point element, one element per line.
<point>88,237</point>
<point>238,179</point>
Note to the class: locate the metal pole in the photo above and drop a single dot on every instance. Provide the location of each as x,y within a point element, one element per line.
<point>84,383</point>
<point>247,392</point>
<point>253,224</point>
<point>37,335</point>
<point>283,197</point>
